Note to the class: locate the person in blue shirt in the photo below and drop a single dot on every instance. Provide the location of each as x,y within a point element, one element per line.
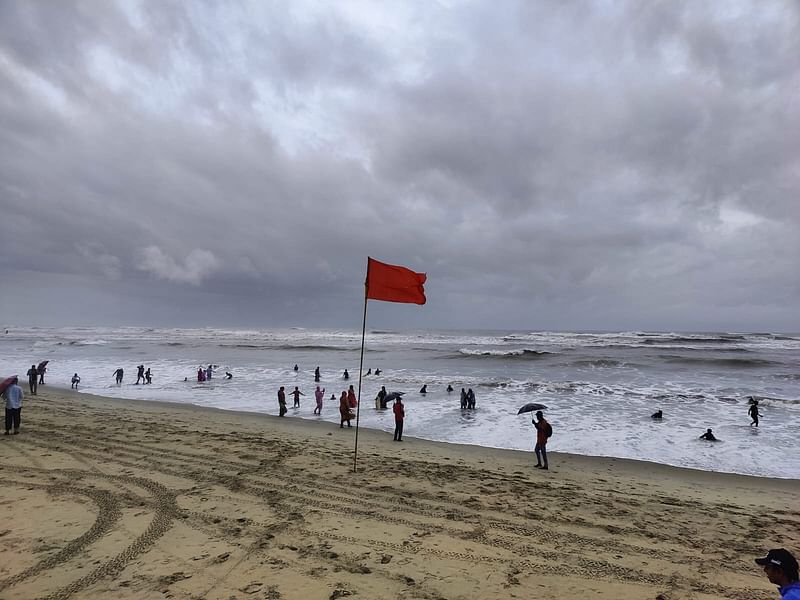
<point>13,396</point>
<point>781,569</point>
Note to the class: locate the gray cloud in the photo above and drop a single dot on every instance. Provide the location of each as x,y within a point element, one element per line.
<point>575,166</point>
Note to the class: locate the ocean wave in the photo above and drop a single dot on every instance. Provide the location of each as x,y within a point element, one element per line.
<point>598,362</point>
<point>693,340</point>
<point>516,353</point>
<point>722,362</point>
<point>87,343</point>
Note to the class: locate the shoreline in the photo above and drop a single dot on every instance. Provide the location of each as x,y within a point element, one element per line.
<point>133,499</point>
<point>466,448</point>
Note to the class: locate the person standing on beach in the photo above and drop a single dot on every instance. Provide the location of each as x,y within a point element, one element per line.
<point>753,412</point>
<point>344,411</point>
<point>75,381</point>
<point>140,374</point>
<point>319,394</point>
<point>381,397</point>
<point>33,378</point>
<point>13,395</point>
<point>316,375</point>
<point>780,567</point>
<point>281,402</point>
<point>543,431</point>
<point>148,378</point>
<point>352,401</point>
<point>399,416</point>
<point>118,374</point>
<point>297,393</point>
<point>41,369</point>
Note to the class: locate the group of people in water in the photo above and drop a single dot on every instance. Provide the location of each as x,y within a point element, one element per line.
<point>709,436</point>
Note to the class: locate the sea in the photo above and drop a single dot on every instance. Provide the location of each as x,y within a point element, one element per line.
<point>599,388</point>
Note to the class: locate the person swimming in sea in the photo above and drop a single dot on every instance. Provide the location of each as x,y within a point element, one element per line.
<point>657,415</point>
<point>709,436</point>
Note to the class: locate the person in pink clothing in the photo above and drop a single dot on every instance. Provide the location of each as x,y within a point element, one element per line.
<point>319,394</point>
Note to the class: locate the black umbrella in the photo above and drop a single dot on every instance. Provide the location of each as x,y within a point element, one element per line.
<point>393,396</point>
<point>42,365</point>
<point>531,406</point>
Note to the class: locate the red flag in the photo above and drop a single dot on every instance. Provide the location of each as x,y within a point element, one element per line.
<point>394,284</point>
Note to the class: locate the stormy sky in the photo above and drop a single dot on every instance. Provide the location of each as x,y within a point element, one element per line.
<point>549,165</point>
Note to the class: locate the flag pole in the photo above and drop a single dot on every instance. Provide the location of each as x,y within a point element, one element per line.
<point>361,366</point>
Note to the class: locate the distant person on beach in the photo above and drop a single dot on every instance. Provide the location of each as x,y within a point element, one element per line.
<point>296,393</point>
<point>708,435</point>
<point>657,415</point>
<point>201,374</point>
<point>209,372</point>
<point>377,371</point>
<point>381,397</point>
<point>463,398</point>
<point>543,432</point>
<point>424,389</point>
<point>13,395</point>
<point>118,374</point>
<point>139,374</point>
<point>296,368</point>
<point>449,388</point>
<point>33,379</point>
<point>369,371</point>
<point>470,399</point>
<point>753,412</point>
<point>228,375</point>
<point>344,411</point>
<point>399,416</point>
<point>148,377</point>
<point>319,394</point>
<point>41,369</point>
<point>281,402</point>
<point>346,375</point>
<point>780,567</point>
<point>75,381</point>
<point>316,375</point>
<point>352,401</point>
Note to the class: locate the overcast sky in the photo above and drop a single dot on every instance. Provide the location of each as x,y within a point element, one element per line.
<point>549,165</point>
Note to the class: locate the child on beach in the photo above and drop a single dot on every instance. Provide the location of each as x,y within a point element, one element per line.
<point>296,393</point>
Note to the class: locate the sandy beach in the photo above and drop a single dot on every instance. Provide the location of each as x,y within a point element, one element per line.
<point>122,499</point>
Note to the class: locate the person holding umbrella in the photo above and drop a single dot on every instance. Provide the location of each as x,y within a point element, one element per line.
<point>543,431</point>
<point>13,395</point>
<point>42,369</point>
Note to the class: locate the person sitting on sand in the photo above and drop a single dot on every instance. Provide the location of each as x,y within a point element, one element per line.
<point>709,436</point>
<point>657,415</point>
<point>753,411</point>
<point>780,567</point>
<point>344,411</point>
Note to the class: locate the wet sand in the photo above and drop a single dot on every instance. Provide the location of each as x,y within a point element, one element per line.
<point>106,498</point>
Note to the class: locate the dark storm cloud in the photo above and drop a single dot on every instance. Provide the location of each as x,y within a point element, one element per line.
<point>575,166</point>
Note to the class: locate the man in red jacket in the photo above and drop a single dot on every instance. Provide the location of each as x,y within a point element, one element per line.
<point>543,432</point>
<point>399,415</point>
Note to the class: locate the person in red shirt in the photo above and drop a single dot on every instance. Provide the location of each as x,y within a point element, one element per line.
<point>344,411</point>
<point>543,431</point>
<point>399,415</point>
